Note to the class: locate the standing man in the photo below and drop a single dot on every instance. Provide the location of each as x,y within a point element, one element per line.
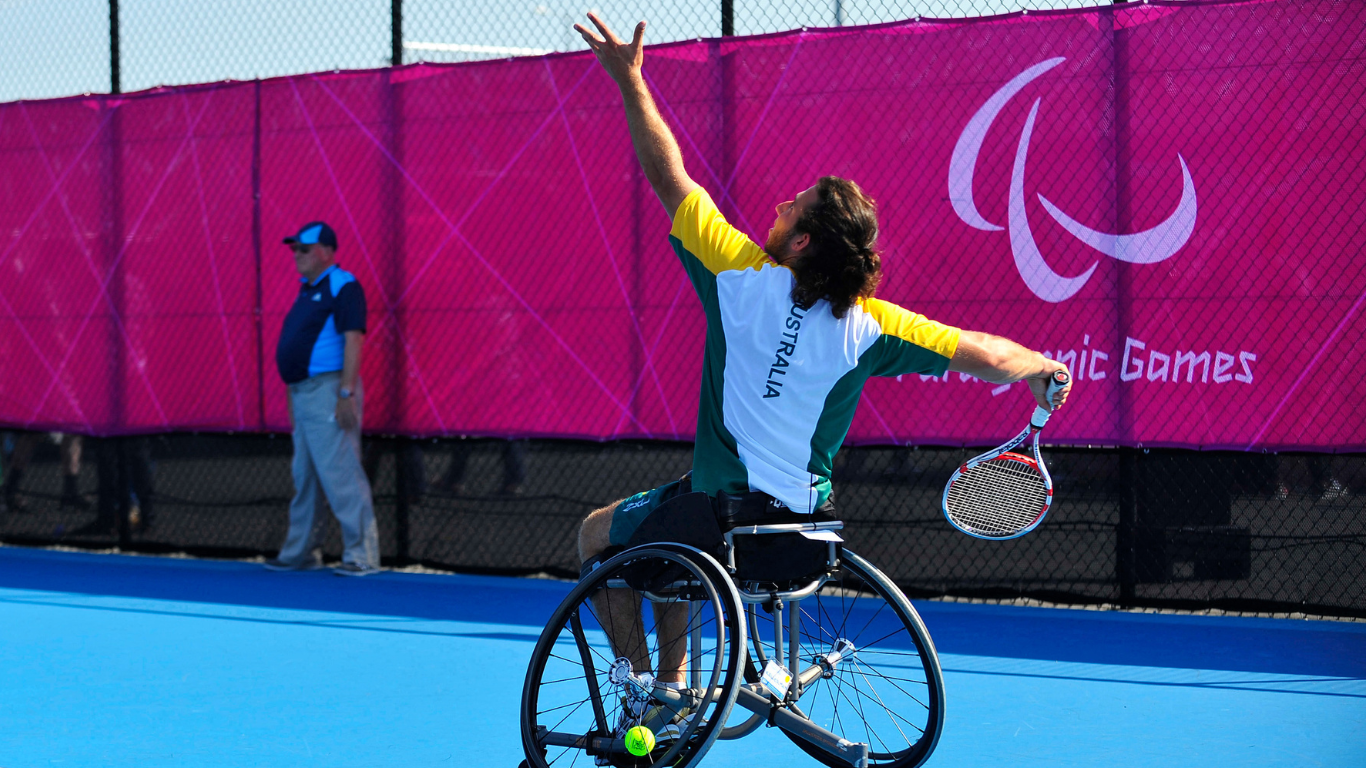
<point>319,360</point>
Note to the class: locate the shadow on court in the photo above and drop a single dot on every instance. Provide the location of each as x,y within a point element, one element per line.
<point>1278,646</point>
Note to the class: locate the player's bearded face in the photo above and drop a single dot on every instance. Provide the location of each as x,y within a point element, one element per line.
<point>784,231</point>
<point>779,238</point>
<point>781,234</point>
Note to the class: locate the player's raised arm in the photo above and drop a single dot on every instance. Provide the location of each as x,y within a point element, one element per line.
<point>654,142</point>
<point>1002,361</point>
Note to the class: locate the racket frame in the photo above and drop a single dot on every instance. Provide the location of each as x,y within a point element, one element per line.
<point>1036,425</point>
<point>1029,431</point>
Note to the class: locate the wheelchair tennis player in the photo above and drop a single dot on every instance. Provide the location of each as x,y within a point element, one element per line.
<point>793,333</point>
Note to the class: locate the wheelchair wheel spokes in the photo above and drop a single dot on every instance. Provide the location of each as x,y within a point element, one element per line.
<point>887,692</point>
<point>583,690</point>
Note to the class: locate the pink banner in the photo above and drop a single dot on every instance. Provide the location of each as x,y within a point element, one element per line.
<point>1170,197</point>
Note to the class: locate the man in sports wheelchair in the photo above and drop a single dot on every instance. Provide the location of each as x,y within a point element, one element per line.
<point>751,605</point>
<point>746,547</point>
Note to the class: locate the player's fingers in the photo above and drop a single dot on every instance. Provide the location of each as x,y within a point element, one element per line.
<point>592,39</point>
<point>1039,395</point>
<point>1055,401</point>
<point>607,33</point>
<point>639,36</point>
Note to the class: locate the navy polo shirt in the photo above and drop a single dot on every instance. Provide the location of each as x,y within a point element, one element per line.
<point>312,340</point>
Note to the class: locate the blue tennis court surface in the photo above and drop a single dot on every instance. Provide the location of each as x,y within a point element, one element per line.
<point>112,660</point>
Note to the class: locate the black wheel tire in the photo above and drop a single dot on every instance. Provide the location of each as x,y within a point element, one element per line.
<point>726,673</point>
<point>858,573</point>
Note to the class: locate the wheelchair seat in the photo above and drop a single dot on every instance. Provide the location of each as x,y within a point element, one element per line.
<point>759,539</point>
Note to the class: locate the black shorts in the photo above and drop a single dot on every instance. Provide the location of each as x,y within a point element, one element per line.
<point>632,510</point>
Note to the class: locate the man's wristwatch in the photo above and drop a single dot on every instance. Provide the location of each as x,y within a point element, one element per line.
<point>344,394</point>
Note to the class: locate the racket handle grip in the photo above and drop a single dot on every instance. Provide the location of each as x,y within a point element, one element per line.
<point>1057,381</point>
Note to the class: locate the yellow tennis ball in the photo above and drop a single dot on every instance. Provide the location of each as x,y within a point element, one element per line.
<point>640,740</point>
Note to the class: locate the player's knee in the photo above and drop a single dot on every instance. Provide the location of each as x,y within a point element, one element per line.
<point>595,532</point>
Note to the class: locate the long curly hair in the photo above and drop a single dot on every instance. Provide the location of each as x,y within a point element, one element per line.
<point>842,264</point>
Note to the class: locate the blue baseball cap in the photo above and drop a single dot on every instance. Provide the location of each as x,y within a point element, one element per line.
<point>314,232</point>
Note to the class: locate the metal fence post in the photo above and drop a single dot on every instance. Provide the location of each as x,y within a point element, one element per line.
<point>115,86</point>
<point>396,33</point>
<point>392,183</point>
<point>727,18</point>
<point>110,447</point>
<point>1126,567</point>
<point>1126,552</point>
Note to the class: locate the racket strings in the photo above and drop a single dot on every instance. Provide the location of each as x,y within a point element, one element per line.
<point>997,498</point>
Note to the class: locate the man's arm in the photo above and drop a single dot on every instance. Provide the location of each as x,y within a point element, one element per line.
<point>1002,361</point>
<point>655,145</point>
<point>346,407</point>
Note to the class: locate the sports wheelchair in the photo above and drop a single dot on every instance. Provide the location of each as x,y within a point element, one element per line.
<point>764,609</point>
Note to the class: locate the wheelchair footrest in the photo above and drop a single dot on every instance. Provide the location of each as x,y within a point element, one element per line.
<point>592,743</point>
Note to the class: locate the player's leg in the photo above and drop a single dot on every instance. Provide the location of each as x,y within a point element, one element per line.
<point>578,685</point>
<point>671,628</point>
<point>618,610</point>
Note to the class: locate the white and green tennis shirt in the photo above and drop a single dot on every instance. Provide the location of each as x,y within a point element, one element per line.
<point>780,383</point>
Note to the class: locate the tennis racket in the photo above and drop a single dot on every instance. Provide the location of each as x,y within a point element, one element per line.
<point>1002,494</point>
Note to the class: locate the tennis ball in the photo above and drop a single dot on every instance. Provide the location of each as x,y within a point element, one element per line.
<point>640,740</point>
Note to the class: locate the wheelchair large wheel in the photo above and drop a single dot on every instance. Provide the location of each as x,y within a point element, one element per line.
<point>889,692</point>
<point>581,693</point>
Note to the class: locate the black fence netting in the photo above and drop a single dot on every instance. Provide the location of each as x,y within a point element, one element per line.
<point>1186,529</point>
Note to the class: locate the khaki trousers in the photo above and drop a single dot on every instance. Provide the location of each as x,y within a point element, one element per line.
<point>327,465</point>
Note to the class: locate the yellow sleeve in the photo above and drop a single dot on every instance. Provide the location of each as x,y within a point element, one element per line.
<point>911,343</point>
<point>703,233</point>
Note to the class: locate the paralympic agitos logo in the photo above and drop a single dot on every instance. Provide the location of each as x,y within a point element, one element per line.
<point>1146,247</point>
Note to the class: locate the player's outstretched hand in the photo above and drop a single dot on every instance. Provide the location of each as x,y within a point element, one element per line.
<point>620,59</point>
<point>1038,384</point>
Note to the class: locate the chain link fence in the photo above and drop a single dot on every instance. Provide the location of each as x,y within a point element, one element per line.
<point>64,49</point>
<point>1256,530</point>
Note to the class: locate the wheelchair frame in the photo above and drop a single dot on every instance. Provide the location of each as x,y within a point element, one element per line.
<point>779,708</point>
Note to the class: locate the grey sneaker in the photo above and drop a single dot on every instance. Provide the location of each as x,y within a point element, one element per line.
<point>353,569</point>
<point>663,722</point>
<point>276,564</point>
<point>675,727</point>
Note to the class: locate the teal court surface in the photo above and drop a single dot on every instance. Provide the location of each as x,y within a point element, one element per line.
<point>111,660</point>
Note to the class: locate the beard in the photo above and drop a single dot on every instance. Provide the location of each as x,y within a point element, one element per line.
<point>776,245</point>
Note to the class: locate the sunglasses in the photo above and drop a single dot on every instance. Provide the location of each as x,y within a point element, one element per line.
<point>301,247</point>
